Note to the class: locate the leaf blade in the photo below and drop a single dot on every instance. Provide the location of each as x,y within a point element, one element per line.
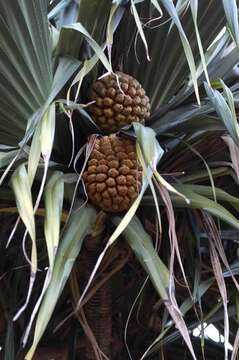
<point>77,228</point>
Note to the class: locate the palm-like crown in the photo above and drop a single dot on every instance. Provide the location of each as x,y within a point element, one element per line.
<point>63,92</point>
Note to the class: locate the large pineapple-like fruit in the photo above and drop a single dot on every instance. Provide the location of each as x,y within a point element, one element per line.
<point>113,176</point>
<point>118,103</point>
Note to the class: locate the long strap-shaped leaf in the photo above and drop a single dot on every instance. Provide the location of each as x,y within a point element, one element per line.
<point>22,189</point>
<point>54,192</point>
<point>231,11</point>
<point>77,228</point>
<point>200,198</point>
<point>54,201</point>
<point>25,65</point>
<point>225,108</point>
<point>168,4</point>
<point>65,69</point>
<point>194,9</point>
<point>44,145</point>
<point>78,27</point>
<point>141,244</point>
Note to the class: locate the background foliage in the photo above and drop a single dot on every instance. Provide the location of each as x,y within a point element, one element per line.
<point>182,245</point>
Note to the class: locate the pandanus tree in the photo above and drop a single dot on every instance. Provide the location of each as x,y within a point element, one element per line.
<point>119,183</point>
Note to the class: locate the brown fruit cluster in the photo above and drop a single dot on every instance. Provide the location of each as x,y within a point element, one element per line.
<point>117,106</point>
<point>113,177</point>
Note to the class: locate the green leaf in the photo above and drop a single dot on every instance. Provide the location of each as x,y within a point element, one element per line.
<point>34,154</point>
<point>63,12</point>
<point>25,66</point>
<point>95,25</point>
<point>200,198</point>
<point>198,201</point>
<point>22,190</point>
<point>115,16</point>
<point>54,192</point>
<point>78,227</point>
<point>77,27</point>
<point>225,109</point>
<point>9,346</point>
<point>168,4</point>
<point>65,69</point>
<point>151,150</point>
<point>42,143</point>
<point>186,118</point>
<point>141,243</point>
<point>70,42</point>
<point>194,9</point>
<point>207,191</point>
<point>114,19</point>
<point>234,153</point>
<point>6,157</point>
<point>202,175</point>
<point>140,28</point>
<point>85,69</point>
<point>48,131</point>
<point>231,11</point>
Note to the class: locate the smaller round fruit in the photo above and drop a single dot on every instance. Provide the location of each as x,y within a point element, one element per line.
<point>118,102</point>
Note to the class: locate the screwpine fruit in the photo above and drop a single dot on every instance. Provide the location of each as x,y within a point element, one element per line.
<point>118,102</point>
<point>113,177</point>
